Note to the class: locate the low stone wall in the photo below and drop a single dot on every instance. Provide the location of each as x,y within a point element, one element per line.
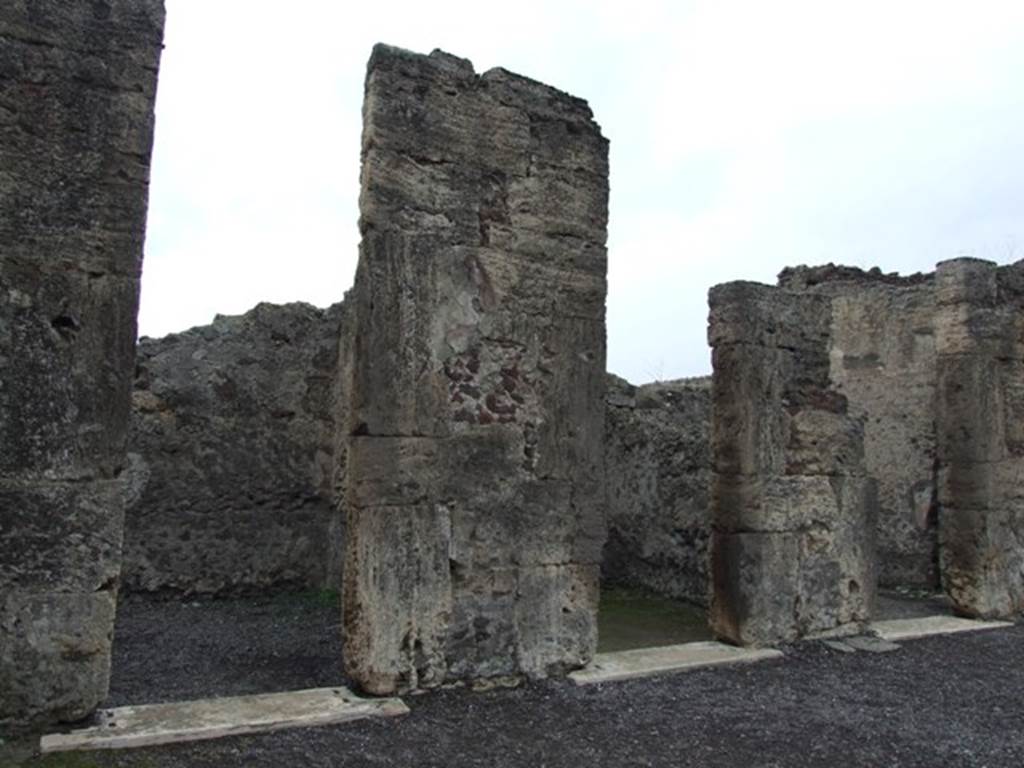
<point>230,483</point>
<point>658,470</point>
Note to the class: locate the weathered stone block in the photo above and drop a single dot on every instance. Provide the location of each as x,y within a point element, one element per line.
<point>74,340</point>
<point>556,617</point>
<point>761,315</point>
<point>755,586</point>
<point>765,504</point>
<point>536,515</point>
<point>982,559</point>
<point>392,471</point>
<point>776,585</point>
<point>746,436</point>
<point>823,442</point>
<point>397,607</point>
<point>774,412</point>
<point>396,301</point>
<point>965,281</point>
<point>55,653</point>
<point>78,550</point>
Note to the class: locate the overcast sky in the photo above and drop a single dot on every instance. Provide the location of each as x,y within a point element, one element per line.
<point>745,136</point>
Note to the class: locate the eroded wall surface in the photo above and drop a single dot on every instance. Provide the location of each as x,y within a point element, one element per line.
<point>231,482</point>
<point>658,470</point>
<point>792,548</point>
<point>474,478</point>
<point>77,85</point>
<point>980,346</point>
<point>883,360</point>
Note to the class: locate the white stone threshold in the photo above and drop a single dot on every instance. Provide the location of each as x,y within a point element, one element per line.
<point>911,629</point>
<point>645,662</point>
<point>153,724</point>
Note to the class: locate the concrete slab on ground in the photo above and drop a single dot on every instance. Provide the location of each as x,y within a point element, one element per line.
<point>913,628</point>
<point>644,662</point>
<point>152,724</point>
<point>862,643</point>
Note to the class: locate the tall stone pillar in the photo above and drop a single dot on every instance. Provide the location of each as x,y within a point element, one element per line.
<point>980,425</point>
<point>474,478</point>
<point>792,549</point>
<point>77,84</point>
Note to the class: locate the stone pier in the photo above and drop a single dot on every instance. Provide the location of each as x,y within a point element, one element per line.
<point>77,85</point>
<point>475,464</point>
<point>980,419</point>
<point>792,547</point>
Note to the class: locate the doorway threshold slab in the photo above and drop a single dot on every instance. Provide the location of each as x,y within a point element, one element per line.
<point>646,662</point>
<point>150,725</point>
<point>913,628</point>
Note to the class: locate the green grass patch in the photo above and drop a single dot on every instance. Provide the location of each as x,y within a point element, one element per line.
<point>635,618</point>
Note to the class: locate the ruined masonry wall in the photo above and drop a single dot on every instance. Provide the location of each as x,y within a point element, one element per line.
<point>792,548</point>
<point>658,470</point>
<point>231,480</point>
<point>475,469</point>
<point>77,86</point>
<point>883,360</point>
<point>229,488</point>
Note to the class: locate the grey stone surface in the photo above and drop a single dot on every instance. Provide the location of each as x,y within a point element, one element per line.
<point>474,472</point>
<point>231,474</point>
<point>870,644</point>
<point>928,626</point>
<point>792,548</point>
<point>175,722</point>
<point>648,662</point>
<point>77,84</point>
<point>980,417</point>
<point>658,470</point>
<point>883,360</point>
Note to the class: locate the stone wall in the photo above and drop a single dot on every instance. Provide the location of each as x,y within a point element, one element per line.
<point>792,548</point>
<point>475,468</point>
<point>980,348</point>
<point>231,455</point>
<point>883,360</point>
<point>77,85</point>
<point>658,470</point>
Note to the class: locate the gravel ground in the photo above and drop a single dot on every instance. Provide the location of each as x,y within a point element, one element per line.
<point>172,651</point>
<point>946,701</point>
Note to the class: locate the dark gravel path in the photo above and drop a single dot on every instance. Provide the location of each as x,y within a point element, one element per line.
<point>949,701</point>
<point>172,651</point>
